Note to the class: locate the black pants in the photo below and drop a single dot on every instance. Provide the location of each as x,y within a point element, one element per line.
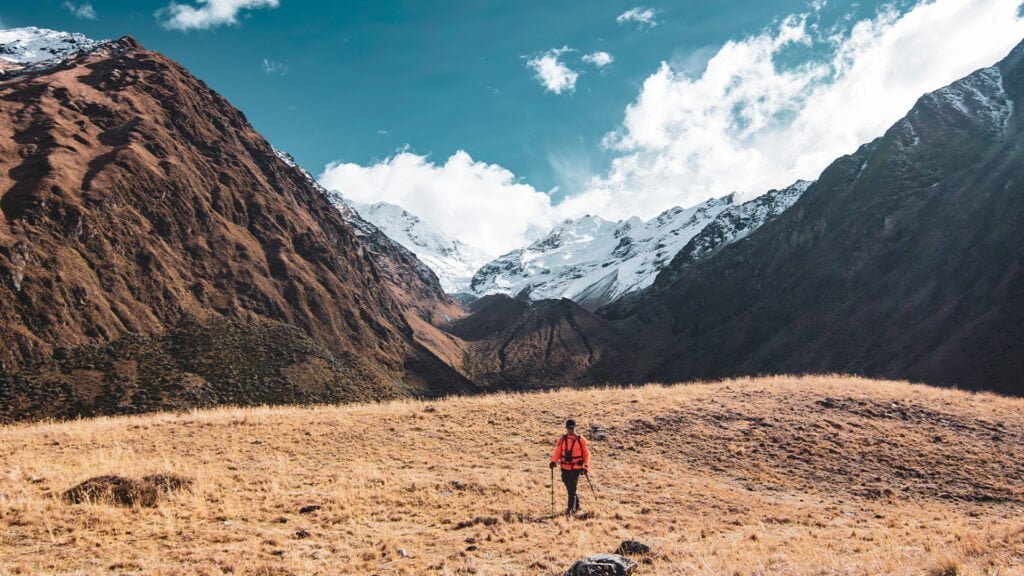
<point>570,478</point>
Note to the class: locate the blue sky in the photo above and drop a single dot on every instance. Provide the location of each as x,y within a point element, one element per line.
<point>391,91</point>
<point>357,80</point>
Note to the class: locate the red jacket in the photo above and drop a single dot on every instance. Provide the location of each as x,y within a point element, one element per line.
<point>578,457</point>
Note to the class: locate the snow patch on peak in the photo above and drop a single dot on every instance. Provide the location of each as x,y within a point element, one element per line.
<point>734,224</point>
<point>39,48</point>
<point>980,96</point>
<point>287,159</point>
<point>594,261</point>
<point>452,260</point>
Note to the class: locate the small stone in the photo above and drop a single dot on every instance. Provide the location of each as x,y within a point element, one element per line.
<point>633,547</point>
<point>309,509</point>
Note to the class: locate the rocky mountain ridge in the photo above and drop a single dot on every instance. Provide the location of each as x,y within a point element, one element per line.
<point>594,262</point>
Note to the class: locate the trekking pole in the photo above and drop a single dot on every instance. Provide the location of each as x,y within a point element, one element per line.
<point>591,484</point>
<point>552,491</point>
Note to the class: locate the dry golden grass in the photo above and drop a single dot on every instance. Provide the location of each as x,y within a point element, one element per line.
<point>797,476</point>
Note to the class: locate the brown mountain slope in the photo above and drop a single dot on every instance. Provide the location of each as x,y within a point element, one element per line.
<point>515,344</point>
<point>135,198</point>
<point>905,259</point>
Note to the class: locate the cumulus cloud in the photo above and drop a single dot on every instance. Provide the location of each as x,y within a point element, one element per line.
<point>599,59</point>
<point>208,13</point>
<point>479,203</point>
<point>640,15</point>
<point>83,11</point>
<point>271,67</point>
<point>749,123</point>
<point>552,73</point>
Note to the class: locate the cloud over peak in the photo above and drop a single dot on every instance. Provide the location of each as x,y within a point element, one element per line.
<point>481,204</point>
<point>208,14</point>
<point>553,74</point>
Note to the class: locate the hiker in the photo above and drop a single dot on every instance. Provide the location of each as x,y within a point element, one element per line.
<point>573,453</point>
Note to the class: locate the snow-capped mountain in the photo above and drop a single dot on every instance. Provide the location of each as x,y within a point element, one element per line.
<point>594,261</point>
<point>32,48</point>
<point>733,224</point>
<point>452,260</point>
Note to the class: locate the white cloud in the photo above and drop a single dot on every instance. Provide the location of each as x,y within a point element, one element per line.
<point>642,16</point>
<point>479,203</point>
<point>271,67</point>
<point>552,73</point>
<point>748,123</point>
<point>83,11</point>
<point>208,14</point>
<point>599,59</point>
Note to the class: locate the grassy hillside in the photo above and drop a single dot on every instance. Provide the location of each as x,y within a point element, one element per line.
<point>816,475</point>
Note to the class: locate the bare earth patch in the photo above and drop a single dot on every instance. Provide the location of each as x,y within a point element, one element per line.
<point>799,476</point>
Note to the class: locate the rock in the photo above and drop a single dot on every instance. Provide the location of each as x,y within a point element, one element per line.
<point>633,548</point>
<point>602,565</point>
<point>598,433</point>
<point>309,509</point>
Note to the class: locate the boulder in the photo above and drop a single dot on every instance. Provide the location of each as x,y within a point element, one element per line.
<point>602,565</point>
<point>633,548</point>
